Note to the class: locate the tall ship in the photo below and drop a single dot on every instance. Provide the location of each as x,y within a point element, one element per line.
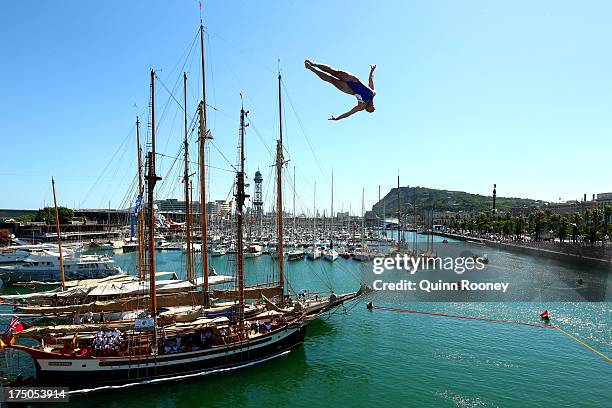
<point>180,334</point>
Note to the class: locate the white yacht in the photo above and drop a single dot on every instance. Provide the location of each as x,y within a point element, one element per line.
<point>171,246</point>
<point>330,255</point>
<point>23,250</point>
<point>253,251</point>
<point>295,254</point>
<point>218,251</point>
<point>46,268</point>
<point>314,253</point>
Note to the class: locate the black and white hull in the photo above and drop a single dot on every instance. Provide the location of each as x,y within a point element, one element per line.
<point>92,372</point>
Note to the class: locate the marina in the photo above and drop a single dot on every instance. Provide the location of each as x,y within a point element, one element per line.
<point>437,347</point>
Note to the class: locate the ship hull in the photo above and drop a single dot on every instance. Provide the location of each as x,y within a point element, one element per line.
<point>86,373</point>
<point>17,275</point>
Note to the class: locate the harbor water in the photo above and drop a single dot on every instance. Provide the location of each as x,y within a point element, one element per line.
<point>361,357</point>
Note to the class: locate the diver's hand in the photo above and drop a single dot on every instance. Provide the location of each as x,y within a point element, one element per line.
<point>372,67</point>
<point>332,117</point>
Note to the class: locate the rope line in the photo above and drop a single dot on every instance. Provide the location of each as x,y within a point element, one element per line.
<point>392,309</point>
<point>540,325</point>
<point>608,359</point>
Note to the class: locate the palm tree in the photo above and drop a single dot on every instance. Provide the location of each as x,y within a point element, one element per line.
<point>519,225</point>
<point>563,227</point>
<point>607,215</point>
<point>539,224</point>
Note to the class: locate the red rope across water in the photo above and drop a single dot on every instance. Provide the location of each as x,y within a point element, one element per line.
<point>393,309</point>
<point>541,325</point>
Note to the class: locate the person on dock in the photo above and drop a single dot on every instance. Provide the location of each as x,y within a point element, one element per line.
<point>347,83</point>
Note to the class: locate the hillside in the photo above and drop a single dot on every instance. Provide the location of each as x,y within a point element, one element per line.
<point>445,200</point>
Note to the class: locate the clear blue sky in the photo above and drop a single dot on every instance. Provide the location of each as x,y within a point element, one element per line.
<point>469,93</point>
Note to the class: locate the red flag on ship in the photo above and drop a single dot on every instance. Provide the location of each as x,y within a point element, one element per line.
<point>14,326</point>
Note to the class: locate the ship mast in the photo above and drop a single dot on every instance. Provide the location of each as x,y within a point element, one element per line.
<point>314,212</point>
<point>383,226</point>
<point>240,199</point>
<point>186,183</point>
<point>331,237</point>
<point>294,215</point>
<point>399,214</point>
<point>279,193</point>
<point>362,218</point>
<point>152,178</point>
<point>202,160</point>
<point>59,238</point>
<point>140,221</point>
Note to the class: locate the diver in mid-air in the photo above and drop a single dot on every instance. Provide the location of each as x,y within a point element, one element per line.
<point>348,83</point>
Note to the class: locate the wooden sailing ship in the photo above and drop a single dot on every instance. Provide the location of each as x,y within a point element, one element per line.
<point>157,345</point>
<point>151,350</point>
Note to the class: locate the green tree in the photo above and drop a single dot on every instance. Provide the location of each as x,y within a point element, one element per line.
<point>563,227</point>
<point>47,215</point>
<point>506,224</point>
<point>538,224</point>
<point>519,225</point>
<point>607,212</point>
<point>26,218</point>
<point>553,224</point>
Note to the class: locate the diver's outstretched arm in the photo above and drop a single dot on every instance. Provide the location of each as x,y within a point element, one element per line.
<point>371,84</point>
<point>360,106</point>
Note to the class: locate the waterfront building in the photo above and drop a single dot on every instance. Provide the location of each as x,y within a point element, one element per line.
<point>219,208</point>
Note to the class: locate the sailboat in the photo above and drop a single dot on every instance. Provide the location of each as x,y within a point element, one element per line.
<point>296,254</point>
<point>330,254</point>
<point>364,254</point>
<point>315,252</point>
<point>150,347</point>
<point>153,350</point>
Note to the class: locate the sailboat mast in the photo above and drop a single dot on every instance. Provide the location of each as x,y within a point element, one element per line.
<point>314,211</point>
<point>362,216</point>
<point>384,222</point>
<point>140,221</point>
<point>279,192</point>
<point>240,198</point>
<point>59,238</point>
<point>186,184</point>
<point>151,180</point>
<point>384,218</point>
<point>331,237</point>
<point>191,223</point>
<point>399,214</point>
<point>202,159</point>
<point>294,215</point>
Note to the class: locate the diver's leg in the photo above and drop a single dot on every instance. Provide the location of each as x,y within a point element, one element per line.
<point>341,85</point>
<point>342,75</point>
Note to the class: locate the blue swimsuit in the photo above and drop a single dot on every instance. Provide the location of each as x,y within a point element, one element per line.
<point>362,92</point>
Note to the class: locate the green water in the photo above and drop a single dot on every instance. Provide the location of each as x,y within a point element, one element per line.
<point>358,357</point>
